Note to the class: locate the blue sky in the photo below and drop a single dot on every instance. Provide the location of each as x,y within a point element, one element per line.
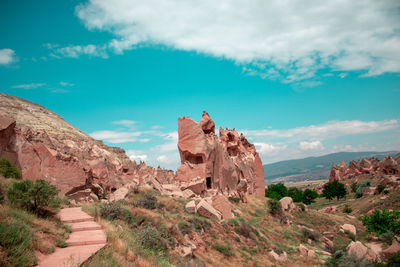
<point>299,79</point>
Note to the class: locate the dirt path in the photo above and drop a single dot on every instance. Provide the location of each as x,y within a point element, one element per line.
<point>86,238</point>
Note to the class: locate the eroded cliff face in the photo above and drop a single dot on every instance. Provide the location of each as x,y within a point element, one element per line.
<point>217,163</point>
<point>44,146</point>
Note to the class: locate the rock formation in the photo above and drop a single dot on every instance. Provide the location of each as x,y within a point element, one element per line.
<point>388,166</point>
<point>217,163</point>
<point>44,146</point>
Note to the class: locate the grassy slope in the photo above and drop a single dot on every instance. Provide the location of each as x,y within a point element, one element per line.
<point>24,236</point>
<point>249,248</point>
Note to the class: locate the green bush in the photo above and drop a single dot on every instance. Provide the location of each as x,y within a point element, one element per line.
<point>341,259</point>
<point>275,207</point>
<point>244,229</point>
<point>276,191</point>
<point>387,237</point>
<point>347,209</point>
<point>381,188</point>
<point>334,189</point>
<point>15,239</point>
<point>150,238</point>
<point>32,196</point>
<point>147,201</point>
<point>354,186</point>
<point>309,195</point>
<point>360,188</point>
<point>309,234</point>
<point>200,223</point>
<point>185,228</point>
<point>225,250</point>
<point>234,199</point>
<point>9,170</point>
<point>110,211</point>
<point>233,222</point>
<point>296,194</point>
<point>394,260</point>
<point>382,221</point>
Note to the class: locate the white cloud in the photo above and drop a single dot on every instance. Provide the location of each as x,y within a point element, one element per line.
<point>29,85</point>
<point>276,39</point>
<point>7,56</point>
<point>59,90</point>
<point>328,129</point>
<point>116,137</point>
<point>66,84</point>
<point>156,127</point>
<point>269,149</point>
<point>75,51</point>
<point>136,155</point>
<point>342,148</point>
<point>313,145</point>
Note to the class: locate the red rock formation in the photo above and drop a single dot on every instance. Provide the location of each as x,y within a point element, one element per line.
<point>217,163</point>
<point>387,166</point>
<point>44,146</point>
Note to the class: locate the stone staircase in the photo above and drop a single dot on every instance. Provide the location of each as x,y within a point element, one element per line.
<point>85,239</point>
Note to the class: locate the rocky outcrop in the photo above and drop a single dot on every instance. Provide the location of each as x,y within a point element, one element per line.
<point>393,249</point>
<point>348,228</point>
<point>44,146</point>
<point>211,162</point>
<point>388,166</point>
<point>287,204</point>
<point>361,252</point>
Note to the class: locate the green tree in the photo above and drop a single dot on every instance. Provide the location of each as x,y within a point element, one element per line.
<point>382,221</point>
<point>309,195</point>
<point>8,169</point>
<point>276,191</point>
<point>32,196</point>
<point>334,189</point>
<point>296,194</point>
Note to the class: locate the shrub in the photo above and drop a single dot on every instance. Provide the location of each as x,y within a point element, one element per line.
<point>394,260</point>
<point>234,199</point>
<point>150,238</point>
<point>15,239</point>
<point>9,170</point>
<point>360,188</point>
<point>275,207</point>
<point>185,227</point>
<point>387,237</point>
<point>244,230</point>
<point>200,223</point>
<point>296,194</point>
<point>32,196</point>
<point>309,234</point>
<point>347,209</point>
<point>381,188</point>
<point>110,211</point>
<point>382,221</point>
<point>276,191</point>
<point>354,186</point>
<point>334,189</point>
<point>341,259</point>
<point>147,201</point>
<point>309,196</point>
<point>233,222</point>
<point>226,250</point>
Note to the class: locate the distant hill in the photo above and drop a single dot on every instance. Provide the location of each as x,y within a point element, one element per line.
<point>313,168</point>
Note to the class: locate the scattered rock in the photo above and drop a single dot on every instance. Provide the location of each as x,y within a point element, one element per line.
<point>222,204</point>
<point>280,258</point>
<point>330,210</point>
<point>206,210</point>
<point>119,194</point>
<point>393,249</point>
<point>358,250</point>
<point>348,228</point>
<point>287,204</point>
<point>191,207</point>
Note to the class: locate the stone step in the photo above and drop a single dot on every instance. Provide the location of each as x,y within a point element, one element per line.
<point>90,237</point>
<point>73,215</point>
<point>84,226</point>
<point>70,256</point>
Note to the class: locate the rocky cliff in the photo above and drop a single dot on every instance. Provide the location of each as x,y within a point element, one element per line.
<point>45,146</point>
<point>217,163</point>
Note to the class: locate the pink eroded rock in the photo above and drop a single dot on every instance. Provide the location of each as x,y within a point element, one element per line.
<point>221,203</point>
<point>220,162</point>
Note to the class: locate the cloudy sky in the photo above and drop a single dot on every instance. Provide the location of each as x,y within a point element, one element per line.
<point>299,78</point>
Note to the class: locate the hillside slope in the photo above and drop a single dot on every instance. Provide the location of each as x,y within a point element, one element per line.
<point>313,168</point>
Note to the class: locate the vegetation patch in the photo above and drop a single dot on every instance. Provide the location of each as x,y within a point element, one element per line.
<point>225,250</point>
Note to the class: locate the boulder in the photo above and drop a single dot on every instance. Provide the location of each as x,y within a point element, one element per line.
<point>119,194</point>
<point>358,250</point>
<point>187,193</point>
<point>287,204</point>
<point>275,256</point>
<point>222,204</point>
<point>393,249</point>
<point>206,210</point>
<point>305,252</point>
<point>191,207</point>
<point>330,210</point>
<point>348,228</point>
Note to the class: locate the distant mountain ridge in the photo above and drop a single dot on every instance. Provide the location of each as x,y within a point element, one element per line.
<point>313,168</point>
